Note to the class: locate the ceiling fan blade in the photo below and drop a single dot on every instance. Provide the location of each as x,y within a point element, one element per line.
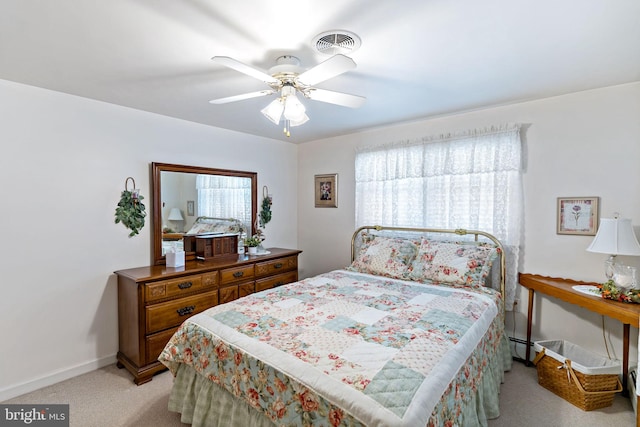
<point>244,68</point>
<point>332,67</point>
<point>242,97</point>
<point>338,98</point>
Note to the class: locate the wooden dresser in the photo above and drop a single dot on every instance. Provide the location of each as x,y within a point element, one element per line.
<point>153,301</point>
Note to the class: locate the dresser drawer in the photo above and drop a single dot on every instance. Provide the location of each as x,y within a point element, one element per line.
<point>230,275</point>
<point>235,291</point>
<point>210,279</point>
<point>163,289</point>
<point>245,289</point>
<point>278,280</point>
<point>156,343</point>
<point>173,313</point>
<point>276,266</point>
<point>228,294</point>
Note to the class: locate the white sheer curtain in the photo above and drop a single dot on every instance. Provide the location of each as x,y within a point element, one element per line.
<point>470,180</point>
<point>224,197</point>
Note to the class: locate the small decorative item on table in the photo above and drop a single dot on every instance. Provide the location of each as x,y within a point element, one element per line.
<point>175,258</point>
<point>252,243</point>
<point>214,245</point>
<point>609,290</point>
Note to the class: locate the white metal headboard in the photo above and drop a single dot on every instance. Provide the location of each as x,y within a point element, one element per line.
<point>458,231</point>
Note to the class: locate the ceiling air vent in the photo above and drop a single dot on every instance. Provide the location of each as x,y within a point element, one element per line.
<point>336,41</point>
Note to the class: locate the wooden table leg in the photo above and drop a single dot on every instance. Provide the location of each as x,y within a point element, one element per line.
<point>529,319</point>
<point>625,359</point>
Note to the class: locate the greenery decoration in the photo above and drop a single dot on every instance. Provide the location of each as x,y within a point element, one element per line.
<point>253,241</point>
<point>609,290</point>
<point>265,212</point>
<point>131,211</point>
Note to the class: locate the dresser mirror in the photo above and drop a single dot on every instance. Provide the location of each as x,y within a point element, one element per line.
<point>177,203</point>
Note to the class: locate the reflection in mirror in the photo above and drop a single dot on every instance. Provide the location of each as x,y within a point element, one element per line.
<point>182,194</point>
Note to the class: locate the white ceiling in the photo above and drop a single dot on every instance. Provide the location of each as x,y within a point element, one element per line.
<point>418,59</point>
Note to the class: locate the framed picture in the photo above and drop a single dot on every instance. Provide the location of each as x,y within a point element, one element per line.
<point>191,207</point>
<point>326,190</point>
<point>577,215</point>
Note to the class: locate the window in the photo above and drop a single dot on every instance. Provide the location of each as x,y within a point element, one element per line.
<point>471,180</point>
<point>224,197</point>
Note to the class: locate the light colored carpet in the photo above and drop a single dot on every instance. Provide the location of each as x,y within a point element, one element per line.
<point>108,397</point>
<point>525,403</point>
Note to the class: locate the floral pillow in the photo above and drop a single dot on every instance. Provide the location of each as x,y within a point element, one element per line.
<point>456,263</point>
<point>421,265</point>
<point>384,256</point>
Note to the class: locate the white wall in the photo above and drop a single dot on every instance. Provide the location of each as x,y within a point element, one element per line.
<point>63,165</point>
<point>581,144</point>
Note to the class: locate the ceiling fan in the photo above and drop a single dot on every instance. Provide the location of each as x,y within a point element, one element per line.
<point>288,79</point>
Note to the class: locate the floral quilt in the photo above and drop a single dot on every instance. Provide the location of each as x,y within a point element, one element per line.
<point>345,349</point>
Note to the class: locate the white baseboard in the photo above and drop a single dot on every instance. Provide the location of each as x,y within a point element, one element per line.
<point>29,386</point>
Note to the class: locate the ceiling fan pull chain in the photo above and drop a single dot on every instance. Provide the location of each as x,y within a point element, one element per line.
<point>287,127</point>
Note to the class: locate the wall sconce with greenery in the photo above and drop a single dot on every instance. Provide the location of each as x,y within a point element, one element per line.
<point>130,210</point>
<point>265,211</point>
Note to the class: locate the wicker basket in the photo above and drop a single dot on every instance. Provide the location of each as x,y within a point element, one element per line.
<point>557,373</point>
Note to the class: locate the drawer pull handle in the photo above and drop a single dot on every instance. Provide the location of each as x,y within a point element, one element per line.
<point>186,310</point>
<point>278,265</point>
<point>238,274</point>
<point>185,285</point>
<point>279,283</point>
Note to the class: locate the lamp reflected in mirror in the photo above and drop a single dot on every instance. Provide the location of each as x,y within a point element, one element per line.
<point>175,216</point>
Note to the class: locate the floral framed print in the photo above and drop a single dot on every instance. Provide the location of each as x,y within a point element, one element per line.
<point>577,215</point>
<point>326,190</point>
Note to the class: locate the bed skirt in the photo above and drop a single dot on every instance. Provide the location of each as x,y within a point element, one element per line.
<point>203,403</point>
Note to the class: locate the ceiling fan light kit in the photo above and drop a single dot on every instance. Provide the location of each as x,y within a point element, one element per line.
<point>274,110</point>
<point>288,79</point>
<point>289,105</point>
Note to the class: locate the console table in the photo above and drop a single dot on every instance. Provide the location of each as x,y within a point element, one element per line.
<point>628,314</point>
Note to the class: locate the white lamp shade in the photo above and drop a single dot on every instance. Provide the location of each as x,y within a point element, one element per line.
<point>615,237</point>
<point>175,215</point>
<point>274,110</point>
<point>294,109</point>
<point>302,121</point>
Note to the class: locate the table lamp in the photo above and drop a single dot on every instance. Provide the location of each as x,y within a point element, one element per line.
<point>615,236</point>
<point>175,215</point>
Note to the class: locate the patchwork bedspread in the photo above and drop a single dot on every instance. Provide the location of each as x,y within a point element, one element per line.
<point>345,348</point>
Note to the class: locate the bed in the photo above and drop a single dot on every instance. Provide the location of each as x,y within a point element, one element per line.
<point>411,333</point>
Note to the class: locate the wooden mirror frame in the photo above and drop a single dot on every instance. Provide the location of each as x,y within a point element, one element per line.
<point>156,211</point>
